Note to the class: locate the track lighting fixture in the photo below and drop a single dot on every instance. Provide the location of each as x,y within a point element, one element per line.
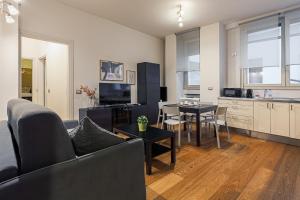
<point>8,9</point>
<point>180,16</point>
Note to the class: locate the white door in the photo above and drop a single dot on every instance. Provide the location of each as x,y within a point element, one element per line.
<point>262,117</point>
<point>57,81</point>
<point>280,119</point>
<point>295,121</point>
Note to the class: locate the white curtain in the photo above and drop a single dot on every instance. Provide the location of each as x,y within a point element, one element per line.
<point>188,51</point>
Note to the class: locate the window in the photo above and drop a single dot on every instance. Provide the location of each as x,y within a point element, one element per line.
<point>193,77</point>
<point>293,47</point>
<point>261,49</point>
<point>188,59</point>
<point>270,51</point>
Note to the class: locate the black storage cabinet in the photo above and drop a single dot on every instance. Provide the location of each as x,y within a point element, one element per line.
<point>148,88</point>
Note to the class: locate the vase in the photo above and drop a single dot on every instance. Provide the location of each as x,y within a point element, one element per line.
<point>142,127</point>
<point>92,102</point>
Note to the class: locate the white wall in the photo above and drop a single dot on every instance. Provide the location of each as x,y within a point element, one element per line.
<point>94,39</point>
<point>8,64</point>
<point>212,51</point>
<point>170,67</point>
<point>233,58</point>
<point>57,73</point>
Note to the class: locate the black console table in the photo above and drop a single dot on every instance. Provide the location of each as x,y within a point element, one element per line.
<point>112,116</point>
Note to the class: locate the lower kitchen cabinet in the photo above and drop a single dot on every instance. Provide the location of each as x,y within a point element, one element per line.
<point>262,117</point>
<point>277,118</point>
<point>280,119</point>
<point>272,118</point>
<point>295,121</point>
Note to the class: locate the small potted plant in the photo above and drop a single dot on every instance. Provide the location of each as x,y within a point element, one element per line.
<point>143,123</point>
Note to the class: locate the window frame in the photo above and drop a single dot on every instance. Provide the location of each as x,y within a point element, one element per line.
<point>245,71</point>
<point>287,54</point>
<point>186,81</point>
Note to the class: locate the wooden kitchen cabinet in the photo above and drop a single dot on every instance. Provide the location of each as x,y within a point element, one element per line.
<point>262,117</point>
<point>280,119</point>
<point>277,118</point>
<point>295,121</point>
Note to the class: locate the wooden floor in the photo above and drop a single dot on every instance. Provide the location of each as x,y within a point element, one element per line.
<point>246,168</point>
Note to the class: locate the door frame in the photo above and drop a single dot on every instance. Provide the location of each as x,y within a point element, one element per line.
<point>43,61</point>
<point>70,44</point>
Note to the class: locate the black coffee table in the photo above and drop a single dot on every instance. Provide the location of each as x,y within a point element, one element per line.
<point>150,137</point>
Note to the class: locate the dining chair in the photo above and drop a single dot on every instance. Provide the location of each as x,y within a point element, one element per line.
<point>172,122</point>
<point>161,104</point>
<point>192,117</point>
<point>219,119</point>
<point>208,114</point>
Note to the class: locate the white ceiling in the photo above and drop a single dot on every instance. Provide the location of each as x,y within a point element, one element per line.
<point>159,18</point>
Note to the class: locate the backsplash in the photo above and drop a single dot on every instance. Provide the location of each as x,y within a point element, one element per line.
<point>279,93</point>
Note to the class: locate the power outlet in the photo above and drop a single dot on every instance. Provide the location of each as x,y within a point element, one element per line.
<point>78,92</point>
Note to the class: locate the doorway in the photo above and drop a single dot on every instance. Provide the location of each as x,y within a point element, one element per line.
<point>46,65</point>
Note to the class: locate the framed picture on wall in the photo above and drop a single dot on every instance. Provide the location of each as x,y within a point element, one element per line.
<point>111,71</point>
<point>130,77</point>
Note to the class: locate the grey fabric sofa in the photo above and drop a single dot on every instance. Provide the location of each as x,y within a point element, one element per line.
<point>37,161</point>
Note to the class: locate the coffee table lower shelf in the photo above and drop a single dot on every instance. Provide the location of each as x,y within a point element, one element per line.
<point>158,150</point>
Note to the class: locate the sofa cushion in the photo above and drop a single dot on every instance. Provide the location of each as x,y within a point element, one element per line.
<point>88,138</point>
<point>40,135</point>
<point>8,160</point>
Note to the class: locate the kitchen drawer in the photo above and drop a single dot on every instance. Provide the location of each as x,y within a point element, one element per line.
<point>243,108</point>
<point>241,122</point>
<point>240,110</point>
<point>235,102</point>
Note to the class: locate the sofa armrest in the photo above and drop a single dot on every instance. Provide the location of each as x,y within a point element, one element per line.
<point>113,173</point>
<point>70,124</point>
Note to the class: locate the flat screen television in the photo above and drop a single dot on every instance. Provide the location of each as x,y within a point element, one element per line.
<point>114,93</point>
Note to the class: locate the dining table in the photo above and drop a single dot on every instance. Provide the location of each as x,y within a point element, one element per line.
<point>197,110</point>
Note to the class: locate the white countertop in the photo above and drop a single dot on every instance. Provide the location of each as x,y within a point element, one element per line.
<point>284,100</point>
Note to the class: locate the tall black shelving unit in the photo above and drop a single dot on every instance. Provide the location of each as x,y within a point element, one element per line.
<point>148,88</point>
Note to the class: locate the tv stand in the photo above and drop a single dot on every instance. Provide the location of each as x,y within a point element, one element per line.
<point>112,116</point>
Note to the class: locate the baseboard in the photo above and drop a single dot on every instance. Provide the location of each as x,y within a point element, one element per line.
<point>269,137</point>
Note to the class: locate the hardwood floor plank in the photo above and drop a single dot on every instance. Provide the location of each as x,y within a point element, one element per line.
<point>282,186</point>
<point>257,184</point>
<point>165,183</point>
<point>248,168</point>
<point>243,174</point>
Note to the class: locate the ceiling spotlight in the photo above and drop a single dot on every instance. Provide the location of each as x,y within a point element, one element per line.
<point>12,10</point>
<point>180,19</point>
<point>181,12</point>
<point>180,24</point>
<point>9,19</point>
<point>8,10</point>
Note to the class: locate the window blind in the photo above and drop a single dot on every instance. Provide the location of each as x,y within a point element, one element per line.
<point>188,51</point>
<point>261,43</point>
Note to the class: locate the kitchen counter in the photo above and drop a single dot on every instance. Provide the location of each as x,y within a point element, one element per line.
<point>283,100</point>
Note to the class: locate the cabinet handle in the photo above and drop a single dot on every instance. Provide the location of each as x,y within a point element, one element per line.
<point>272,105</point>
<point>268,105</point>
<point>291,107</point>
